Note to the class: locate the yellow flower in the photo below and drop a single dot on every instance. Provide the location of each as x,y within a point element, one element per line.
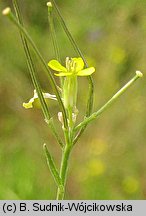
<point>74,66</point>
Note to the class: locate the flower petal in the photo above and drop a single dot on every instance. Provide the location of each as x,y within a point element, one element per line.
<point>35,98</point>
<point>29,104</point>
<point>63,74</point>
<point>86,72</point>
<point>55,65</point>
<point>79,63</point>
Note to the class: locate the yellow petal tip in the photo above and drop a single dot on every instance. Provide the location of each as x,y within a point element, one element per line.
<point>27,105</point>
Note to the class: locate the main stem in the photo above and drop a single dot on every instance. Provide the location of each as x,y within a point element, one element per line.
<point>63,170</point>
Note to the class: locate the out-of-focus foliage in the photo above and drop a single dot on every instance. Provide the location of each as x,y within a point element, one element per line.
<point>109,160</point>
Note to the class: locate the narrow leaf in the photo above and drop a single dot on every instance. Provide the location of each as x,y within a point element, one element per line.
<point>52,166</point>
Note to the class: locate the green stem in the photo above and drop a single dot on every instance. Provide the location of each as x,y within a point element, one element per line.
<point>50,122</point>
<point>53,35</point>
<point>89,107</point>
<point>8,13</point>
<point>63,171</point>
<point>69,35</point>
<point>109,103</point>
<point>33,75</point>
<point>70,118</point>
<point>31,65</point>
<point>90,80</point>
<point>52,30</point>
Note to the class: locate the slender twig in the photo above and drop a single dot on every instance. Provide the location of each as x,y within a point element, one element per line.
<point>35,81</point>
<point>11,16</point>
<point>53,36</point>
<point>52,31</point>
<point>63,170</point>
<point>95,115</point>
<point>31,65</point>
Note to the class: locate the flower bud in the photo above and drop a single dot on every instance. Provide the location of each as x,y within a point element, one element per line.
<point>6,11</point>
<point>60,117</point>
<point>49,4</point>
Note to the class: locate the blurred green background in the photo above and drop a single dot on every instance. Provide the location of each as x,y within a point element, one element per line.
<point>109,161</point>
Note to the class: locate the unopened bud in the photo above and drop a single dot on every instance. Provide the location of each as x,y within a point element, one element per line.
<point>74,117</point>
<point>49,4</point>
<point>60,117</point>
<point>139,74</point>
<point>6,11</point>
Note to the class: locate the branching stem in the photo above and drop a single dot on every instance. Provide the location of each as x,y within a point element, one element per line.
<point>109,103</point>
<point>68,124</point>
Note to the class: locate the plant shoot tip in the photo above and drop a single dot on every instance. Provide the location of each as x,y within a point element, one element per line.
<point>49,4</point>
<point>6,11</point>
<point>139,74</point>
